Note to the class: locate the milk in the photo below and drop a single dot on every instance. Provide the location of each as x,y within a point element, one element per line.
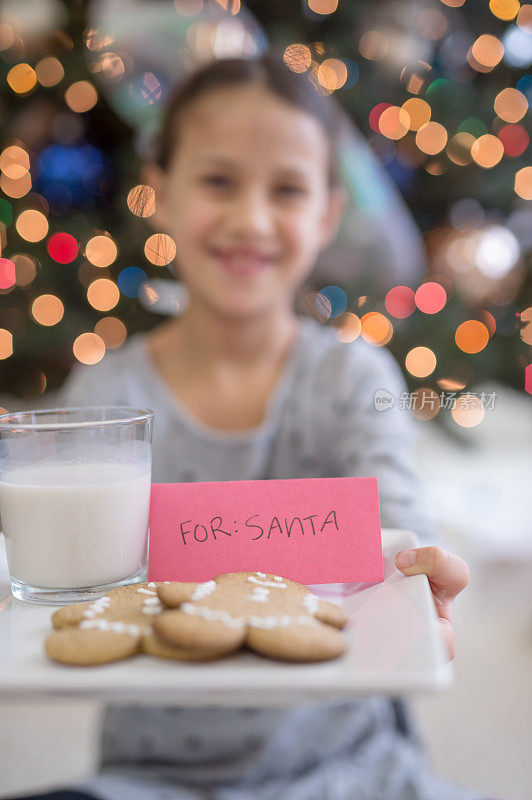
<point>75,525</point>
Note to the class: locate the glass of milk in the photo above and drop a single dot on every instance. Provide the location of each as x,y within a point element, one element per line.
<point>74,500</point>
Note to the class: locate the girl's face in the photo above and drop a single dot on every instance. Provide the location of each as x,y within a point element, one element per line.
<point>246,199</point>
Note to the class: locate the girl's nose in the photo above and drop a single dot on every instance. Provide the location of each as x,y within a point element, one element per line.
<point>251,214</point>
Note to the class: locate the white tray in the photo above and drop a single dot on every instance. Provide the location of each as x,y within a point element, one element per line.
<point>393,647</point>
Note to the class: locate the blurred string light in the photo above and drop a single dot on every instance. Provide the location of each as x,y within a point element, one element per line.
<point>453,3</point>
<point>22,79</point>
<point>7,273</point>
<point>515,140</point>
<point>62,247</point>
<point>471,336</point>
<point>103,294</point>
<point>335,73</point>
<point>32,225</point>
<point>418,111</point>
<point>459,148</point>
<point>524,18</point>
<point>81,96</point>
<point>335,297</point>
<point>323,6</point>
<point>141,200</point>
<point>425,403</point>
<point>112,331</point>
<point>485,53</point>
<point>297,57</point>
<point>49,71</point>
<point>487,151</point>
<point>160,249</point>
<point>376,328</point>
<point>14,162</point>
<point>505,9</point>
<point>523,183</point>
<point>15,187</point>
<point>510,105</point>
<point>47,310</point>
<point>517,47</point>
<point>373,45</point>
<point>394,122</point>
<point>101,250</point>
<point>348,328</point>
<point>431,138</point>
<point>420,362</point>
<point>430,297</point>
<point>400,302</point>
<point>6,343</point>
<point>25,269</point>
<point>468,411</point>
<point>131,280</point>
<point>526,325</point>
<point>89,348</point>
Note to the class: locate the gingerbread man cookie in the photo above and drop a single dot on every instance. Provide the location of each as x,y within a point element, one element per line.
<point>273,616</point>
<point>113,627</point>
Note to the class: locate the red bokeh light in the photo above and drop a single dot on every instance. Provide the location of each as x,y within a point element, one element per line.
<point>431,297</point>
<point>515,139</point>
<point>399,302</point>
<point>63,248</point>
<point>375,115</point>
<point>7,273</point>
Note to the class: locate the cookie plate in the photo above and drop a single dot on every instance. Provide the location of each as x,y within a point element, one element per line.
<point>394,647</point>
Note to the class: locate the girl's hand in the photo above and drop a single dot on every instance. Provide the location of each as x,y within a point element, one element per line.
<point>448,574</point>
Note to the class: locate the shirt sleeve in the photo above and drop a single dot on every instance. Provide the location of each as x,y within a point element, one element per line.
<point>378,439</point>
<point>87,386</point>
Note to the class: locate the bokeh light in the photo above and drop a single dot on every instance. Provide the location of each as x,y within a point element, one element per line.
<point>103,294</point>
<point>373,45</point>
<point>160,249</point>
<point>101,250</point>
<point>487,151</point>
<point>25,269</point>
<point>32,225</point>
<point>489,321</point>
<point>526,325</point>
<point>336,299</point>
<point>112,331</point>
<point>524,18</point>
<point>510,105</point>
<point>425,403</point>
<point>14,162</point>
<point>523,183</point>
<point>22,78</point>
<point>430,297</point>
<point>15,188</point>
<point>348,327</point>
<point>459,148</point>
<point>487,52</point>
<point>332,74</point>
<point>419,112</point>
<point>420,362</point>
<point>394,122</point>
<point>431,138</point>
<point>468,411</point>
<point>376,328</point>
<point>6,343</point>
<point>8,275</point>
<point>515,140</point>
<point>49,71</point>
<point>141,200</point>
<point>323,6</point>
<point>504,9</point>
<point>89,348</point>
<point>472,336</point>
<point>81,96</point>
<point>399,302</point>
<point>375,115</point>
<point>453,3</point>
<point>298,57</point>
<point>62,247</point>
<point>130,281</point>
<point>47,310</point>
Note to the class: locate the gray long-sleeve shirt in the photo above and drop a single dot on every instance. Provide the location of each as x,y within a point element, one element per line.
<point>321,421</point>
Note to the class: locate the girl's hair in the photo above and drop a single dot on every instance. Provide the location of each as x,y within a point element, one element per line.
<point>268,70</point>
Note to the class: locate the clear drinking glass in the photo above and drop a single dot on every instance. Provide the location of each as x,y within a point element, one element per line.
<point>74,500</point>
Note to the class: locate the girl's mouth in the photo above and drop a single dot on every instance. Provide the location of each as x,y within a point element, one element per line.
<point>243,263</point>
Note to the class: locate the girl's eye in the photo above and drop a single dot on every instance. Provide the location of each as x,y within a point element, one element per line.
<point>290,190</point>
<point>217,181</point>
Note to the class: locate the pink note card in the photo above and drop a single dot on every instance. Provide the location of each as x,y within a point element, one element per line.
<point>313,530</point>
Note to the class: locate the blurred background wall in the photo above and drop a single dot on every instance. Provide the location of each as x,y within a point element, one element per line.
<point>433,262</point>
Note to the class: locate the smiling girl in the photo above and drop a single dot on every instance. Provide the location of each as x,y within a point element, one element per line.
<point>246,184</point>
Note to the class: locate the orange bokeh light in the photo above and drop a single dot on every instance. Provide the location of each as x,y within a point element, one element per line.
<point>394,122</point>
<point>112,330</point>
<point>349,327</point>
<point>297,57</point>
<point>32,225</point>
<point>14,162</point>
<point>160,249</point>
<point>373,45</point>
<point>472,336</point>
<point>47,310</point>
<point>22,78</point>
<point>487,50</point>
<point>431,138</point>
<point>25,270</point>
<point>505,9</point>
<point>81,96</point>
<point>101,250</point>
<point>332,74</point>
<point>49,71</point>
<point>510,105</point>
<point>468,411</point>
<point>6,343</point>
<point>103,294</point>
<point>15,188</point>
<point>420,362</point>
<point>523,183</point>
<point>487,151</point>
<point>323,6</point>
<point>89,348</point>
<point>419,112</point>
<point>376,328</point>
<point>459,148</point>
<point>425,403</point>
<point>141,200</point>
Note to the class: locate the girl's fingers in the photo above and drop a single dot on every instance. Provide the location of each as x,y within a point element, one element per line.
<point>448,573</point>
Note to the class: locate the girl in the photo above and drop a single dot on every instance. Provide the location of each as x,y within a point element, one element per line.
<point>246,184</point>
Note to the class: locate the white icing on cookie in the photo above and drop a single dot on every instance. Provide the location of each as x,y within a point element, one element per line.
<point>213,615</point>
<point>311,602</point>
<point>146,591</point>
<point>151,585</point>
<point>202,590</point>
<point>277,585</point>
<point>98,606</point>
<point>277,578</point>
<point>260,574</point>
<point>152,605</point>
<point>259,594</point>
<point>107,625</point>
